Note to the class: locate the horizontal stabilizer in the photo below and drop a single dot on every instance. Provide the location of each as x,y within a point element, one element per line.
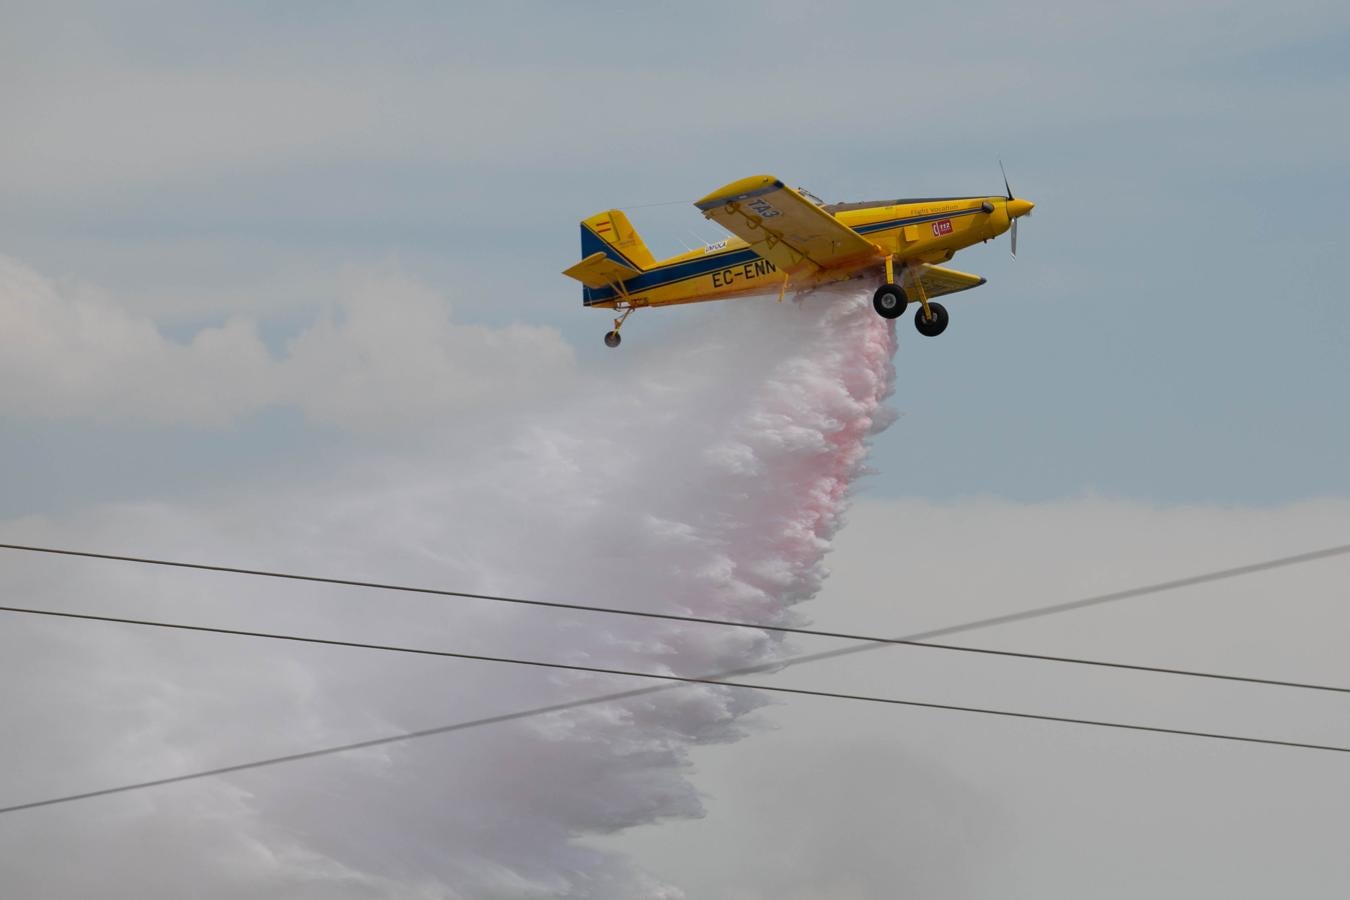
<point>599,270</point>
<point>938,282</point>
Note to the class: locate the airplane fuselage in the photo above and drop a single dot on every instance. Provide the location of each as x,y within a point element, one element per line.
<point>920,231</point>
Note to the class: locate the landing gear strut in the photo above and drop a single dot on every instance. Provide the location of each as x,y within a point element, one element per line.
<point>612,338</point>
<point>930,318</point>
<point>889,301</point>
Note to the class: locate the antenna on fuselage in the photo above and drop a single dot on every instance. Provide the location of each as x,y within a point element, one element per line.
<point>700,240</point>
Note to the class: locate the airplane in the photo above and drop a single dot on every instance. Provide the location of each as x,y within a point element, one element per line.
<point>788,239</point>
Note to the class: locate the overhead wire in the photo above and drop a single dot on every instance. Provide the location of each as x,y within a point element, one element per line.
<point>923,641</point>
<point>670,682</point>
<point>1040,657</point>
<point>560,707</point>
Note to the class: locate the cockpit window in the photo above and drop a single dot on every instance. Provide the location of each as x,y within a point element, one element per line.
<point>810,196</point>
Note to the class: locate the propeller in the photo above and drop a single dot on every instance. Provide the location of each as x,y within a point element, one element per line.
<point>1008,188</point>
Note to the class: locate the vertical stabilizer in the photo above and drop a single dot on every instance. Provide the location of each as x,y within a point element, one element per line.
<point>610,232</point>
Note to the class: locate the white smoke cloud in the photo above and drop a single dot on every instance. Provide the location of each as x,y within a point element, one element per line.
<point>710,482</point>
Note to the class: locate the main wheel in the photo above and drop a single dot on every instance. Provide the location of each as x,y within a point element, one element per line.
<point>889,301</point>
<point>612,339</point>
<point>934,326</point>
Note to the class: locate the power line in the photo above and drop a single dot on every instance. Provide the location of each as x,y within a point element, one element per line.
<point>1038,612</point>
<point>1157,588</point>
<point>333,642</point>
<point>921,641</point>
<point>719,680</point>
<point>559,707</point>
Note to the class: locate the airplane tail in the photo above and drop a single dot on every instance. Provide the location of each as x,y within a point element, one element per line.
<point>611,233</point>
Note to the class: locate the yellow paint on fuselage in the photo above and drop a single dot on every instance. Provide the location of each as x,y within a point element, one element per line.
<point>924,232</point>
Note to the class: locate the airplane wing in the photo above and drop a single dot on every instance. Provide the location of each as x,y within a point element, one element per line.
<point>783,226</point>
<point>938,281</point>
<point>598,270</point>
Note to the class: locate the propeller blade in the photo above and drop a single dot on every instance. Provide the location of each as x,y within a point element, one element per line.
<point>1005,179</point>
<point>1014,238</point>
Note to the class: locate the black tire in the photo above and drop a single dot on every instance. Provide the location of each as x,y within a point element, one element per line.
<point>935,326</point>
<point>889,301</point>
<point>612,339</point>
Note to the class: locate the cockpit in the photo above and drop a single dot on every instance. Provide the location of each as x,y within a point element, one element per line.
<point>810,196</point>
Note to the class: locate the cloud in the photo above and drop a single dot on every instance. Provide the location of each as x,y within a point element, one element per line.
<point>622,498</point>
<point>392,354</point>
<point>384,353</point>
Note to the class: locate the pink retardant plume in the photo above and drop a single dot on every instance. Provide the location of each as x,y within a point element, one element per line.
<point>746,476</point>
<point>704,469</point>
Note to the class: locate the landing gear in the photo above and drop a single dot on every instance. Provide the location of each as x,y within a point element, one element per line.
<point>889,301</point>
<point>612,338</point>
<point>931,321</point>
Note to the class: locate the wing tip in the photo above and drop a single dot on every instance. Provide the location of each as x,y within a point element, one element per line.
<point>739,190</point>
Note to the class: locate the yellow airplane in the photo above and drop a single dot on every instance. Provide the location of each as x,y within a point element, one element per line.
<point>786,238</point>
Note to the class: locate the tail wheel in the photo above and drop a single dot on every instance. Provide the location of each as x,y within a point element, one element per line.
<point>612,339</point>
<point>889,301</point>
<point>934,326</point>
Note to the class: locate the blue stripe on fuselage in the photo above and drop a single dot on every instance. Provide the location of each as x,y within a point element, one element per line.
<point>672,273</point>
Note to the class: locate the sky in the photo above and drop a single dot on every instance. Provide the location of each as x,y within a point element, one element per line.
<point>279,286</point>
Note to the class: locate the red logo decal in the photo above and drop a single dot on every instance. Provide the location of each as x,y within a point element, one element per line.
<point>941,227</point>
